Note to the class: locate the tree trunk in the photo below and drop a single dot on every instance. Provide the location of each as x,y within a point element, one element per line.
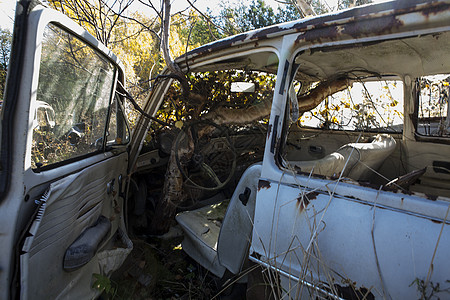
<point>306,102</point>
<point>172,195</point>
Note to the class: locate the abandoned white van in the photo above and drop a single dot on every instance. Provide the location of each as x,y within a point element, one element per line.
<point>321,169</point>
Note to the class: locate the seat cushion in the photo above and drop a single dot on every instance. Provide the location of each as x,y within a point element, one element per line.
<point>354,160</point>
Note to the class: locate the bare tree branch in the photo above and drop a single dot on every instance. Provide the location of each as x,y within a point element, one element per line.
<point>145,26</point>
<point>315,96</point>
<point>207,18</point>
<point>171,65</point>
<point>305,8</point>
<point>306,102</point>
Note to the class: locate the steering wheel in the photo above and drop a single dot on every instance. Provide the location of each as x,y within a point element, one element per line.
<point>206,162</point>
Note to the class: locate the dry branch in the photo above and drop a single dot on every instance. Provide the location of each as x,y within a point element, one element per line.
<point>306,102</point>
<point>313,98</point>
<point>224,115</point>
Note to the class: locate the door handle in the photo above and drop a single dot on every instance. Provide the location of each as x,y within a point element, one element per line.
<point>316,149</point>
<point>86,245</point>
<point>110,187</point>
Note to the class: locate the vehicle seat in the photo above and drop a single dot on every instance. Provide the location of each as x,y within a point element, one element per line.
<point>362,159</point>
<point>218,236</point>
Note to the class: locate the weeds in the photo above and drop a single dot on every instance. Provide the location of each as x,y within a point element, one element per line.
<point>428,290</point>
<point>105,285</point>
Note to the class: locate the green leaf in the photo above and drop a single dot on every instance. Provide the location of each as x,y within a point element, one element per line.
<point>101,283</point>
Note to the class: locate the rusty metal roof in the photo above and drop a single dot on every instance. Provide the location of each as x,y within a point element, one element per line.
<point>363,21</point>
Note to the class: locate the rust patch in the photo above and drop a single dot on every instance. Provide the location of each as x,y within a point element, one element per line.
<point>385,188</point>
<point>262,34</point>
<point>312,195</point>
<point>313,175</point>
<point>219,45</point>
<point>302,203</point>
<point>304,200</point>
<point>274,136</point>
<point>434,9</point>
<point>269,131</point>
<point>344,47</point>
<point>436,221</point>
<point>385,24</point>
<point>263,184</point>
<point>319,35</point>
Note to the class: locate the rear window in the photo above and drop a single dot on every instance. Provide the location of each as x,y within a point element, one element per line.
<point>433,109</point>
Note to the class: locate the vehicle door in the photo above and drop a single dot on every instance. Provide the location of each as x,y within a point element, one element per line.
<point>64,157</point>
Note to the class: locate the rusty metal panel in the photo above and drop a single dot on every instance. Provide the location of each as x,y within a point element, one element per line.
<point>359,22</point>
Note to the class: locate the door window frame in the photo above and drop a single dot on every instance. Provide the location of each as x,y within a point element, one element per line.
<point>21,96</point>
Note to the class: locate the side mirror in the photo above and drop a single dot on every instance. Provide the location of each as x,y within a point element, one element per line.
<point>242,87</point>
<point>44,116</point>
<point>76,133</point>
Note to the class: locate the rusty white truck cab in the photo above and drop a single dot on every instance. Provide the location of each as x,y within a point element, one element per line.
<point>343,191</point>
<point>351,199</point>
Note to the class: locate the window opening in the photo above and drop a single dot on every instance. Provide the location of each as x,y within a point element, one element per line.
<point>364,106</point>
<point>73,96</point>
<point>434,111</point>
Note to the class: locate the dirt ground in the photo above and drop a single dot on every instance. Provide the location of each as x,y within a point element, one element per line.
<point>158,268</point>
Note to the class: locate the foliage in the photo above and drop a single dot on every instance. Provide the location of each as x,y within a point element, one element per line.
<point>364,106</point>
<point>215,87</point>
<point>434,108</point>
<point>287,13</point>
<point>104,284</point>
<point>138,50</point>
<point>5,51</point>
<point>73,94</point>
<point>135,38</point>
<point>256,15</point>
<point>95,15</point>
<point>194,30</point>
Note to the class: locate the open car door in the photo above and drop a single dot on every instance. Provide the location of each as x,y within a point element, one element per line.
<point>64,160</point>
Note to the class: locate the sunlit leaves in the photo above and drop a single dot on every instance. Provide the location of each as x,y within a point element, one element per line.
<point>103,283</point>
<point>364,106</point>
<point>215,87</point>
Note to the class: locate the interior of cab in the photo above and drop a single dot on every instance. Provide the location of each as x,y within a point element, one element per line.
<point>387,126</point>
<point>373,122</point>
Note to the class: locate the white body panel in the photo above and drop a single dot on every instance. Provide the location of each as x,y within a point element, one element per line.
<point>325,238</point>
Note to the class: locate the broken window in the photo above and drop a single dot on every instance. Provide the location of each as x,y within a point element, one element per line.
<point>346,127</point>
<point>363,106</point>
<point>433,108</point>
